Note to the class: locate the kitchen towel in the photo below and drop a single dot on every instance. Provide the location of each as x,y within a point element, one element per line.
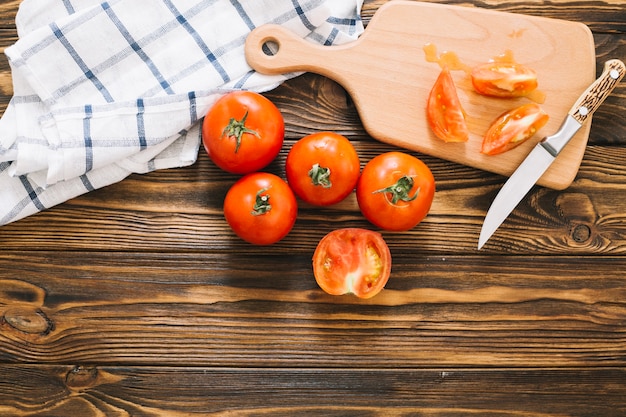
<point>106,89</point>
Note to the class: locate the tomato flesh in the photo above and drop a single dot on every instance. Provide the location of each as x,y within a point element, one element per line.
<point>352,261</point>
<point>504,79</point>
<point>444,111</point>
<point>513,128</point>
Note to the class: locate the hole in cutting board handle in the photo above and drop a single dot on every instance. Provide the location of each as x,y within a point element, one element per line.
<point>270,47</point>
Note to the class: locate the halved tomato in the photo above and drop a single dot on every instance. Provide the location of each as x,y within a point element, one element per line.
<point>444,111</point>
<point>352,260</point>
<point>512,128</point>
<point>504,79</point>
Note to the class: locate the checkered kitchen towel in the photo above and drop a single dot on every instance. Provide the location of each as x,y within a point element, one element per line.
<point>106,89</point>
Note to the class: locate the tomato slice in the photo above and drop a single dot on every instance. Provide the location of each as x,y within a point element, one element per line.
<point>352,260</point>
<point>445,114</point>
<point>504,79</point>
<point>512,128</point>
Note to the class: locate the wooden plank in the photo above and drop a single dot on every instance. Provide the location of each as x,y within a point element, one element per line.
<point>182,210</point>
<point>88,391</point>
<point>251,311</point>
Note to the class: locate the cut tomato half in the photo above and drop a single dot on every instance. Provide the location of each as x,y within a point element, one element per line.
<point>352,260</point>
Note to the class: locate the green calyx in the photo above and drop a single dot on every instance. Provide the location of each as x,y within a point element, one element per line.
<point>320,176</point>
<point>400,190</point>
<point>262,204</point>
<point>236,128</point>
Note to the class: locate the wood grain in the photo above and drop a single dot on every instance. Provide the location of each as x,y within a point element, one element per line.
<point>137,300</point>
<point>149,391</point>
<point>224,311</point>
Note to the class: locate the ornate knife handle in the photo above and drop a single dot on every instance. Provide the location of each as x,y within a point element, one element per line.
<point>597,92</point>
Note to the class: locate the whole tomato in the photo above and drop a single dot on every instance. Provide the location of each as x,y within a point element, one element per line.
<point>260,208</point>
<point>243,132</point>
<point>352,260</point>
<point>395,191</point>
<point>322,168</point>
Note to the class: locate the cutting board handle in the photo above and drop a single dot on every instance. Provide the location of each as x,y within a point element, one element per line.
<point>294,53</point>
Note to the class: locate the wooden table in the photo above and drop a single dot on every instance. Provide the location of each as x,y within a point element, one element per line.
<point>138,300</point>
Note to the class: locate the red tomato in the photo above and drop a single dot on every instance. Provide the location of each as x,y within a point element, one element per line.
<point>444,111</point>
<point>260,208</point>
<point>322,168</point>
<point>395,191</point>
<point>356,261</point>
<point>512,128</point>
<point>503,79</point>
<point>243,132</point>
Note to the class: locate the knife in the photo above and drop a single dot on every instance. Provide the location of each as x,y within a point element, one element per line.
<point>546,151</point>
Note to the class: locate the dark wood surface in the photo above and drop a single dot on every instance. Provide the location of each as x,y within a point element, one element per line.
<point>137,299</point>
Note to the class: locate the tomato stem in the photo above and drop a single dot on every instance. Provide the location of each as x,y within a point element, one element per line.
<point>262,204</point>
<point>320,176</point>
<point>400,190</point>
<point>236,128</point>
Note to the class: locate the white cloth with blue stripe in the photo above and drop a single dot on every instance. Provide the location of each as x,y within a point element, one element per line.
<point>106,89</point>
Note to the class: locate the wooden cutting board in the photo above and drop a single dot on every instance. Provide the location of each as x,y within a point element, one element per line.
<point>389,78</point>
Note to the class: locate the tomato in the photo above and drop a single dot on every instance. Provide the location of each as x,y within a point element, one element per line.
<point>512,128</point>
<point>352,260</point>
<point>243,132</point>
<point>504,79</point>
<point>260,208</point>
<point>395,191</point>
<point>322,168</point>
<point>444,111</point>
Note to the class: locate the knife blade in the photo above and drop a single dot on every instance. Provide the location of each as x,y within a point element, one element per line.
<point>546,151</point>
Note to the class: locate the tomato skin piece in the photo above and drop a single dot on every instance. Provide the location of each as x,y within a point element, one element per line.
<point>352,261</point>
<point>504,79</point>
<point>322,168</point>
<point>388,171</point>
<point>261,131</point>
<point>513,128</point>
<point>260,226</point>
<point>444,112</point>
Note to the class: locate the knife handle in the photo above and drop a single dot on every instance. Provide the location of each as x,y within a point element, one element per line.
<point>597,92</point>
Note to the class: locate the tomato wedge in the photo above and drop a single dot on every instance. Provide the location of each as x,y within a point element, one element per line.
<point>504,79</point>
<point>512,128</point>
<point>444,112</point>
<point>352,260</point>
